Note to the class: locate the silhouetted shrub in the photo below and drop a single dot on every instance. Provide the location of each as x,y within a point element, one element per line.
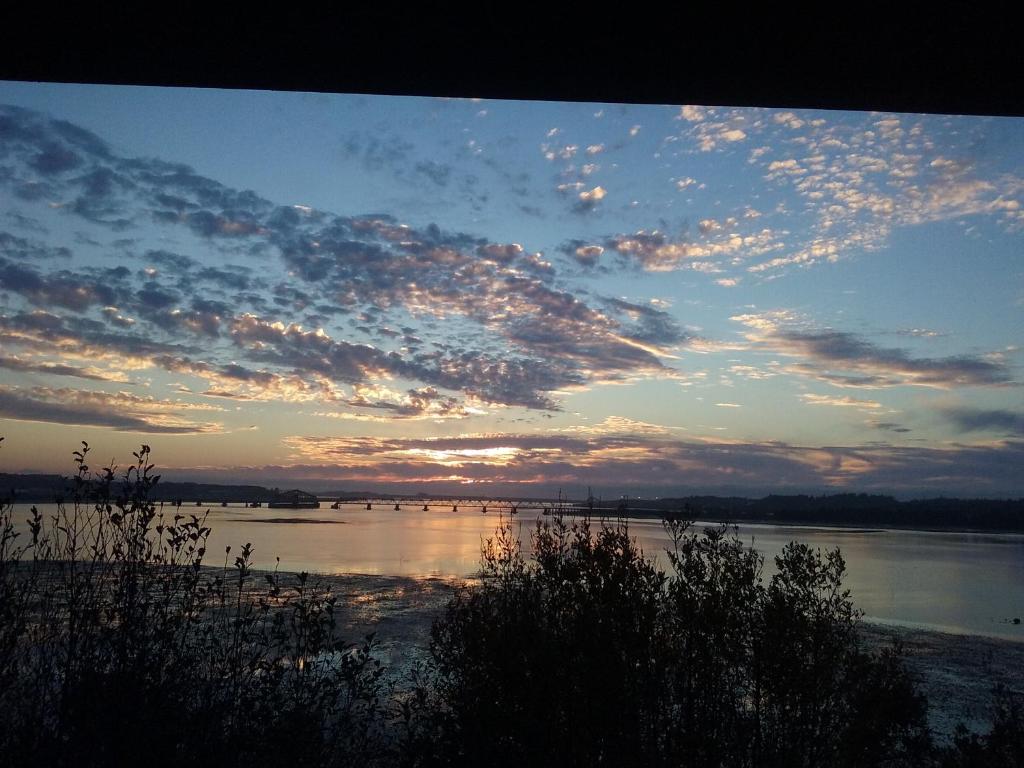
<point>117,647</point>
<point>591,655</point>
<point>1002,746</point>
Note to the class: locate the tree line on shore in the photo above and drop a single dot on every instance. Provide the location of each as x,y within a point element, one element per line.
<point>859,509</point>
<point>856,509</point>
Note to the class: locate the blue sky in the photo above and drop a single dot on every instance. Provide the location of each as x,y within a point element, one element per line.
<point>513,297</point>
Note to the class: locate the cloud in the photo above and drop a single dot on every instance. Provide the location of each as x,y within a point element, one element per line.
<point>691,113</point>
<point>754,373</point>
<point>486,377</point>
<point>174,261</point>
<point>588,199</point>
<point>553,152</point>
<point>852,352</point>
<point>862,177</point>
<point>233,277</point>
<point>789,166</point>
<point>522,338</point>
<point>840,402</point>
<point>122,412</point>
<point>378,153</point>
<point>846,359</point>
<point>414,404</point>
<point>979,419</point>
<point>649,324</point>
<point>238,382</point>
<point>889,426</point>
<point>788,119</point>
<point>711,128</point>
<point>60,289</point>
<point>438,173</point>
<point>14,363</point>
<point>582,253</point>
<point>69,339</point>
<point>716,244</point>
<point>617,425</point>
<point>621,456</point>
<point>919,332</point>
<point>22,249</point>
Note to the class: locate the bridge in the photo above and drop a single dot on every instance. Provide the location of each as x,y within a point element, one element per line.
<point>589,507</point>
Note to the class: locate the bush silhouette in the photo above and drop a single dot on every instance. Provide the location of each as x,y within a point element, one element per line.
<point>117,646</point>
<point>591,655</point>
<point>1002,746</point>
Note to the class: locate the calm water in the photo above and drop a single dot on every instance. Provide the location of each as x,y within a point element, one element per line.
<point>955,582</point>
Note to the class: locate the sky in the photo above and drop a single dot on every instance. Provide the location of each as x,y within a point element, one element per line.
<point>411,294</point>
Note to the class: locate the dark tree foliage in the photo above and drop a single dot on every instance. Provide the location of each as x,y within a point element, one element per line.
<point>117,647</point>
<point>1002,746</point>
<point>591,655</point>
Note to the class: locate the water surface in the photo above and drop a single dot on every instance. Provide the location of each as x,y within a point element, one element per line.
<point>970,583</point>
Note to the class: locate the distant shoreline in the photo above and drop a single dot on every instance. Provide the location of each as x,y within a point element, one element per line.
<point>610,514</point>
<point>851,527</point>
<point>841,511</point>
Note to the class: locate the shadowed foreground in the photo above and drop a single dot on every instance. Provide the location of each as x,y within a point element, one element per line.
<point>118,646</point>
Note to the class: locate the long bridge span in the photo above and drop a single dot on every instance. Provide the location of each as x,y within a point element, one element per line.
<point>589,507</point>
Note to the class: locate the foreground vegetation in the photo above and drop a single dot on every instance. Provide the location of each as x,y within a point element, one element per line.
<point>117,645</point>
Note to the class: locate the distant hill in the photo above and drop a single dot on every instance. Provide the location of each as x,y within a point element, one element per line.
<point>858,509</point>
<point>48,488</point>
<point>35,487</point>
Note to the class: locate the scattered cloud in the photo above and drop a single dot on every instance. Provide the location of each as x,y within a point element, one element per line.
<point>716,246</point>
<point>692,113</point>
<point>846,359</point>
<point>590,198</point>
<point>841,402</point>
<point>122,411</point>
<point>863,179</point>
<point>1010,423</point>
<point>889,426</point>
<point>522,338</point>
<point>582,253</point>
<point>652,463</point>
<point>22,249</point>
<point>616,425</point>
<point>14,363</point>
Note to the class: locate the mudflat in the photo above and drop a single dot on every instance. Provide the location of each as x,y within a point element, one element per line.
<point>956,672</point>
